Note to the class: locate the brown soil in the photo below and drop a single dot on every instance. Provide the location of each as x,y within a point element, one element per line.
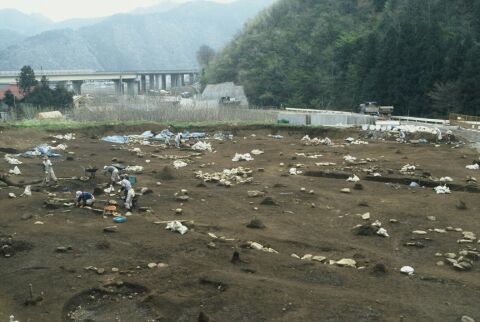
<point>210,282</point>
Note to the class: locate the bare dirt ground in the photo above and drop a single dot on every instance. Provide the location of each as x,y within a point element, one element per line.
<point>199,282</point>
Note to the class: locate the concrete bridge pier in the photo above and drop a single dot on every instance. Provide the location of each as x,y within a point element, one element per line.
<point>77,87</point>
<point>119,90</point>
<point>182,78</point>
<point>131,87</point>
<point>157,82</point>
<point>173,80</point>
<point>143,84</point>
<point>191,78</point>
<point>151,82</point>
<point>164,82</point>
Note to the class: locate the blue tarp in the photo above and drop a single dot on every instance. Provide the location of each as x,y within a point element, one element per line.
<point>120,139</point>
<point>165,134</point>
<point>148,134</point>
<point>41,150</point>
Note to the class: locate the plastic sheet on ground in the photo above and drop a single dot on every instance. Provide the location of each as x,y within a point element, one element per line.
<point>12,160</point>
<point>41,150</point>
<point>147,134</point>
<point>294,171</point>
<point>134,168</point>
<point>408,169</point>
<point>27,192</point>
<point>413,184</point>
<point>257,152</point>
<point>442,190</point>
<point>473,167</point>
<point>349,158</point>
<point>242,157</point>
<point>306,140</point>
<point>355,142</point>
<point>353,178</point>
<point>277,137</point>
<point>119,139</point>
<point>177,226</point>
<point>179,164</point>
<point>220,136</point>
<point>164,135</point>
<point>202,146</point>
<point>15,171</point>
<point>68,136</point>
<point>446,179</point>
<point>407,270</point>
<point>228,177</point>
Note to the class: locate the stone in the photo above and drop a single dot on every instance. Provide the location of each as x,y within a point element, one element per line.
<point>268,201</point>
<point>432,218</point>
<point>112,202</point>
<point>469,235</point>
<point>458,267</point>
<point>440,263</point>
<point>365,230</point>
<point>146,191</point>
<point>182,198</point>
<point>419,232</point>
<point>345,190</point>
<point>466,318</point>
<point>440,231</point>
<point>450,255</point>
<point>11,195</point>
<point>162,265</point>
<point>346,262</point>
<point>178,211</point>
<point>320,259</point>
<point>152,265</point>
<point>100,271</point>
<point>211,245</point>
<point>110,229</point>
<point>358,186</point>
<point>394,221</point>
<point>256,224</point>
<point>307,257</point>
<point>295,256</point>
<point>461,205</point>
<point>438,254</point>
<point>366,216</point>
<point>115,270</point>
<point>128,214</point>
<point>450,261</point>
<point>63,249</point>
<point>255,193</point>
<point>466,265</point>
<point>26,216</point>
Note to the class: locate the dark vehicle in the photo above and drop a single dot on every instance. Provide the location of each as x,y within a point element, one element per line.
<point>228,101</point>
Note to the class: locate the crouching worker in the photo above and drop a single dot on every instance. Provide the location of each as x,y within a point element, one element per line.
<point>113,172</point>
<point>84,199</point>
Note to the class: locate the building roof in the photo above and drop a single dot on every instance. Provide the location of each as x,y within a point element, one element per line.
<point>13,88</point>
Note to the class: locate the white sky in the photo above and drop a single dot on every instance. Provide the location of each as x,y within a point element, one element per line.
<point>58,10</point>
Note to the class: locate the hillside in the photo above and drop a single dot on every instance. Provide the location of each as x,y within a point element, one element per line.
<point>421,56</point>
<point>127,41</point>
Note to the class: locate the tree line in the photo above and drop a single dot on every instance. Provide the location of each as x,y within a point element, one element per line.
<point>422,56</point>
<point>38,94</point>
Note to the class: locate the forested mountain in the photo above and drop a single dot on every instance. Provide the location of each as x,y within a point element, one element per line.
<point>423,56</point>
<point>165,40</point>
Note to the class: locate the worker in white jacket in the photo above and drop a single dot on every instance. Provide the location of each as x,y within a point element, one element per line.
<point>48,169</point>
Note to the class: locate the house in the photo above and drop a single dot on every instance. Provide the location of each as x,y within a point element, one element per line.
<point>225,93</point>
<point>13,88</point>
